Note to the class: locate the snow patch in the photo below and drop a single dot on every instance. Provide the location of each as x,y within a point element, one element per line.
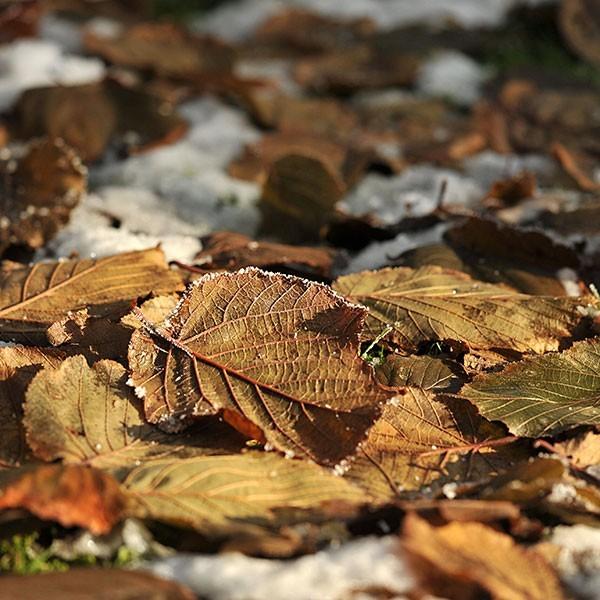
<point>330,574</point>
<point>27,64</point>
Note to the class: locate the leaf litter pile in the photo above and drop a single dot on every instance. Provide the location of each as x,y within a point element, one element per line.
<point>298,285</point>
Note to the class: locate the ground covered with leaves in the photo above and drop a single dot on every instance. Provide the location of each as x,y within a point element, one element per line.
<point>300,301</point>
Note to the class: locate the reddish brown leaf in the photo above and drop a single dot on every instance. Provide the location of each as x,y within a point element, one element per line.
<point>580,24</point>
<point>279,351</point>
<point>71,495</point>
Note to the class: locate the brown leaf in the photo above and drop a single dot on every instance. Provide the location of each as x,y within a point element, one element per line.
<point>465,561</point>
<point>82,414</point>
<point>18,365</point>
<point>71,495</point>
<point>352,69</point>
<point>163,48</point>
<point>422,305</point>
<point>230,251</point>
<point>88,117</point>
<point>306,31</point>
<point>38,192</point>
<point>526,260</point>
<point>421,439</point>
<point>570,163</point>
<point>93,584</point>
<point>299,197</point>
<point>583,450</point>
<point>278,351</point>
<point>425,372</point>
<point>34,297</point>
<point>580,24</point>
<point>508,192</point>
<point>221,495</point>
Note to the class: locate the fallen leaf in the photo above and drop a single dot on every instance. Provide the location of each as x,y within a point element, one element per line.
<point>425,372</point>
<point>230,251</point>
<point>469,560</point>
<point>38,192</point>
<point>570,162</point>
<point>163,48</point>
<point>306,31</point>
<point>579,21</point>
<point>19,20</point>
<point>89,117</point>
<point>543,395</point>
<point>299,197</point>
<point>421,439</point>
<point>34,297</point>
<point>277,354</point>
<point>217,494</point>
<point>18,365</point>
<point>508,192</point>
<point>88,415</point>
<point>583,450</point>
<point>434,304</point>
<point>72,495</point>
<point>93,584</point>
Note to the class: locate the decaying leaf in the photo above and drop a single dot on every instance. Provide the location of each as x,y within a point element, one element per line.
<point>583,450</point>
<point>469,560</point>
<point>221,493</point>
<point>34,297</point>
<point>435,304</point>
<point>93,584</point>
<point>38,192</point>
<point>18,365</point>
<point>230,251</point>
<point>19,19</point>
<point>88,415</point>
<point>420,439</point>
<point>71,495</point>
<point>543,395</point>
<point>276,354</point>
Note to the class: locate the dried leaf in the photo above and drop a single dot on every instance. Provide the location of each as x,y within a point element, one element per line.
<point>231,251</point>
<point>19,19</point>
<point>72,495</point>
<point>89,117</point>
<point>421,439</point>
<point>34,297</point>
<point>580,24</point>
<point>93,584</point>
<point>434,304</point>
<point>583,451</point>
<point>299,197</point>
<point>508,192</point>
<point>38,192</point>
<point>215,494</point>
<point>164,48</point>
<point>468,560</point>
<point>425,372</point>
<point>542,395</point>
<point>83,414</point>
<point>18,365</point>
<point>277,354</point>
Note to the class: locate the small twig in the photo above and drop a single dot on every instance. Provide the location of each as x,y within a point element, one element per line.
<point>387,329</point>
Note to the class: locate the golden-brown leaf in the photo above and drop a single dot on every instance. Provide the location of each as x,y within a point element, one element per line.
<point>421,439</point>
<point>34,297</point>
<point>83,414</point>
<point>219,493</point>
<point>465,561</point>
<point>277,354</point>
<point>435,304</point>
<point>18,365</point>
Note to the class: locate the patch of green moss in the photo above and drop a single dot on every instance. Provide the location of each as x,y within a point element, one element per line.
<point>24,554</point>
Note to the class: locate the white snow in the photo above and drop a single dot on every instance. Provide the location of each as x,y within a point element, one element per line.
<point>412,193</point>
<point>61,31</point>
<point>27,64</point>
<point>330,574</point>
<point>452,75</point>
